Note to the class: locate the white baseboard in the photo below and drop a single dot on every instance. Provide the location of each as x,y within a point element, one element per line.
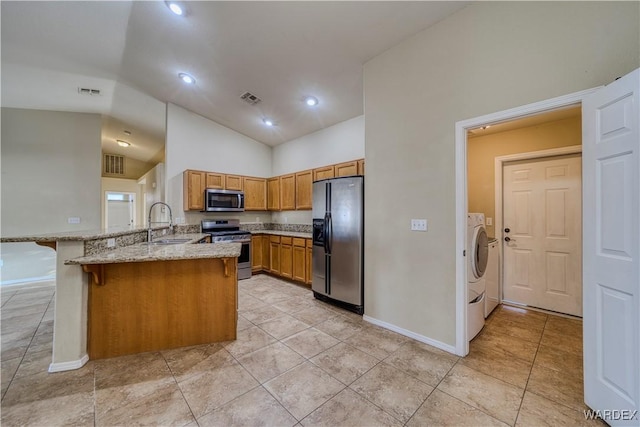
<point>438,344</point>
<point>68,366</point>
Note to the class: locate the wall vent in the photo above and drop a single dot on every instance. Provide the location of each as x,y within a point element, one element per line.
<point>88,91</point>
<point>250,98</point>
<point>113,164</point>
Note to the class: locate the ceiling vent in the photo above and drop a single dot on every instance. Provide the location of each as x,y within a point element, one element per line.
<point>88,91</point>
<point>113,164</point>
<point>250,98</point>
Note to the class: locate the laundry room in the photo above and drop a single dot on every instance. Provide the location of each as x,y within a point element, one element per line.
<point>524,221</point>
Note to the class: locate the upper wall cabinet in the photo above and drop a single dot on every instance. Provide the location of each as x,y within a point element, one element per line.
<point>193,183</point>
<point>288,192</point>
<point>304,189</point>
<point>273,194</point>
<point>346,169</point>
<point>255,193</point>
<point>324,172</point>
<point>214,180</point>
<point>233,182</point>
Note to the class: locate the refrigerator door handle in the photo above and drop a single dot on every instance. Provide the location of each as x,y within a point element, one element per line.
<point>328,237</point>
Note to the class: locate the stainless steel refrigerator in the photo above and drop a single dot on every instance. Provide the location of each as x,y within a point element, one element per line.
<point>338,249</point>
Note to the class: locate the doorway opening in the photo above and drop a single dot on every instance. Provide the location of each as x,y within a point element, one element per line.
<point>489,123</point>
<point>120,209</point>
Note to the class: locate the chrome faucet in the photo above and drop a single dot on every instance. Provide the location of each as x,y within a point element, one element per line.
<point>149,219</point>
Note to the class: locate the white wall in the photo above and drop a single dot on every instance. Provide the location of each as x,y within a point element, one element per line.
<point>50,171</point>
<point>339,143</point>
<point>194,142</point>
<point>488,57</point>
<point>152,189</point>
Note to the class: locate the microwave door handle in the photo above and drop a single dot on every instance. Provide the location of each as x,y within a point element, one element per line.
<point>239,201</point>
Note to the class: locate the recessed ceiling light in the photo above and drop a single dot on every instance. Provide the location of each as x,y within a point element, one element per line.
<point>268,122</point>
<point>175,7</point>
<point>122,143</point>
<point>127,132</point>
<point>187,78</point>
<point>311,101</point>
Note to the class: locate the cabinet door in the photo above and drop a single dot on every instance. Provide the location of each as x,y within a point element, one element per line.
<point>325,172</point>
<point>215,180</point>
<point>346,169</point>
<point>361,167</point>
<point>304,189</point>
<point>274,254</point>
<point>299,260</point>
<point>193,190</point>
<point>255,194</point>
<point>286,258</point>
<point>256,253</point>
<point>309,270</point>
<point>273,194</point>
<point>288,192</point>
<point>266,253</point>
<point>233,182</point>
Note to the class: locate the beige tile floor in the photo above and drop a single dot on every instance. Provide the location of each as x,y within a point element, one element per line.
<point>298,361</point>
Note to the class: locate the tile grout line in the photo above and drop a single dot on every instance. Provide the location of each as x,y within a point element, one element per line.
<point>44,312</point>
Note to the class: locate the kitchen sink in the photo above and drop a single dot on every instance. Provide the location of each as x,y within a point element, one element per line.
<point>168,241</point>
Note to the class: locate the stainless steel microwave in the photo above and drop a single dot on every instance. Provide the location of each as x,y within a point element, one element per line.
<point>223,200</point>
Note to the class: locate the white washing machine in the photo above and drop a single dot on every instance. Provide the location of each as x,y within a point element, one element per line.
<point>477,257</point>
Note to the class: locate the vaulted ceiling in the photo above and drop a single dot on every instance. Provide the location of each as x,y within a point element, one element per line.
<point>133,52</point>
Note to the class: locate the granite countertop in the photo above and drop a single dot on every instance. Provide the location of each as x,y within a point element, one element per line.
<point>79,235</point>
<point>284,233</point>
<point>142,252</point>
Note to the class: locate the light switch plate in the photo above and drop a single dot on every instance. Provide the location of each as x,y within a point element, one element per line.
<point>418,225</point>
<point>489,221</point>
<point>111,243</point>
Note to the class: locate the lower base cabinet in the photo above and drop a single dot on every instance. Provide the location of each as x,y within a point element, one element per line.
<point>288,257</point>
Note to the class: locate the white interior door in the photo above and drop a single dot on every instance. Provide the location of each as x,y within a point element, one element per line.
<point>611,250</point>
<point>542,246</point>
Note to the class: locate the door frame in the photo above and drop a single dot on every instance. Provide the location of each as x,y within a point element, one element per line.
<point>499,195</point>
<point>461,201</point>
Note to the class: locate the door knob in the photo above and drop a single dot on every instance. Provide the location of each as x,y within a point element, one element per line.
<point>506,230</point>
<point>507,239</point>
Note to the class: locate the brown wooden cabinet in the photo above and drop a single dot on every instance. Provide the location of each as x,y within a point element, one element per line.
<point>274,254</point>
<point>361,167</point>
<point>256,253</point>
<point>286,257</point>
<point>255,193</point>
<point>273,194</point>
<point>309,269</point>
<point>325,172</point>
<point>193,189</point>
<point>215,180</point>
<point>346,168</point>
<point>304,189</point>
<point>299,260</point>
<point>233,182</point>
<point>266,253</point>
<point>288,192</point>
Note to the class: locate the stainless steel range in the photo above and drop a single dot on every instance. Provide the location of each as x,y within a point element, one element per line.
<point>228,230</point>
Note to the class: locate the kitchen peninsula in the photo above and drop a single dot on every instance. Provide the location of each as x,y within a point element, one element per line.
<point>118,294</point>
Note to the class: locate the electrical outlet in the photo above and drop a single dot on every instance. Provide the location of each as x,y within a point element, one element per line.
<point>418,225</point>
<point>73,220</point>
<point>489,221</point>
<point>111,243</point>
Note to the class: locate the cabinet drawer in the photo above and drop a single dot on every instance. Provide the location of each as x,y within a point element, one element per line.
<point>309,243</point>
<point>286,240</point>
<point>274,239</point>
<point>297,241</point>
